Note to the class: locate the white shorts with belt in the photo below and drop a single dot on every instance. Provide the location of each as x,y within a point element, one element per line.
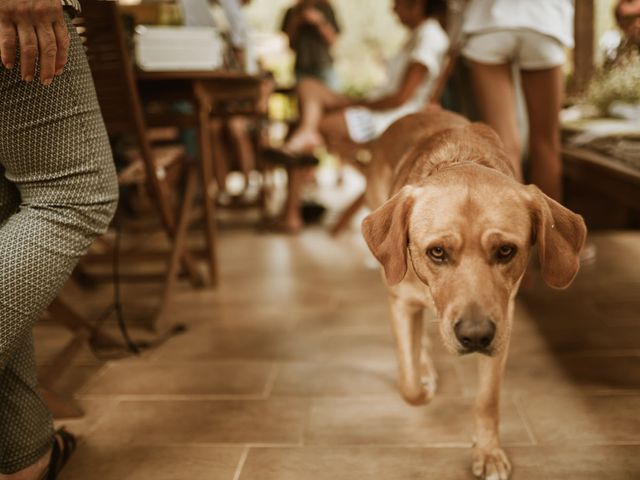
<point>529,49</point>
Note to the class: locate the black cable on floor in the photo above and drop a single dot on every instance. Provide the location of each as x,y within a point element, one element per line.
<point>117,304</point>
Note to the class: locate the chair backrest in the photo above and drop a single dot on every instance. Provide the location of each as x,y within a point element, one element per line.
<point>101,29</point>
<point>440,84</point>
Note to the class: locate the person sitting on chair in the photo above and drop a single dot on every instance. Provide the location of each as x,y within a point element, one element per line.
<point>342,123</point>
<point>312,29</point>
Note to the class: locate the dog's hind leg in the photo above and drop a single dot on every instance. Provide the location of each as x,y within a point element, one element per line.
<point>489,460</point>
<point>407,329</point>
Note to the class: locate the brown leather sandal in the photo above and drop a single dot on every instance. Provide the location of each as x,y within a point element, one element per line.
<point>64,444</point>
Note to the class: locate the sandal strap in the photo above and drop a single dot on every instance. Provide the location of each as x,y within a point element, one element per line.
<point>64,444</point>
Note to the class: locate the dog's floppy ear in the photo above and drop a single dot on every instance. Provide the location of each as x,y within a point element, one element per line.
<point>386,231</point>
<point>560,235</point>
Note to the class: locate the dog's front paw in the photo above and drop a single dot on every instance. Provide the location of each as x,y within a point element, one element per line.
<point>418,392</point>
<point>491,464</point>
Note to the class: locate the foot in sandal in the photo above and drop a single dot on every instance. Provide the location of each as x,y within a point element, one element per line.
<point>303,142</point>
<point>48,466</point>
<point>64,444</point>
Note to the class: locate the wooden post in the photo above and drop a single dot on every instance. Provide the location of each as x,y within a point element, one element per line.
<point>584,44</point>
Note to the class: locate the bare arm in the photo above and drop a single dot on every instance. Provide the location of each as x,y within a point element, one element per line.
<point>415,75</point>
<point>39,29</point>
<point>316,18</point>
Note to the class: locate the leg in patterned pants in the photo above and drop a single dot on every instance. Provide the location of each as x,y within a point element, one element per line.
<point>58,191</point>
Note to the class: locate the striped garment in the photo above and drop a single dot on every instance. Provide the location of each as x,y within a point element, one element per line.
<point>75,4</point>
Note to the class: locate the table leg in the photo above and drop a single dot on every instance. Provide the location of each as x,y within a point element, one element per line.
<point>347,215</point>
<point>206,174</point>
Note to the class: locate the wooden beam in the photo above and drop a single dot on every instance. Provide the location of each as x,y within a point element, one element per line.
<point>583,53</point>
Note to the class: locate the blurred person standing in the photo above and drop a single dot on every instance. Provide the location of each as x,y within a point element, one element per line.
<point>501,35</point>
<point>627,14</point>
<point>532,37</point>
<point>312,29</point>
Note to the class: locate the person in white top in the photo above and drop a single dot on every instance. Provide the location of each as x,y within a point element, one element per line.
<point>342,123</point>
<point>424,51</point>
<point>533,36</point>
<point>328,117</point>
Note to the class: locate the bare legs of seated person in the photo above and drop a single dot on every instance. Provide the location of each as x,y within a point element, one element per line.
<point>241,149</point>
<point>322,123</point>
<point>317,104</point>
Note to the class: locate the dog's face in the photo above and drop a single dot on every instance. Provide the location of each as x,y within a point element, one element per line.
<point>469,241</point>
<point>467,234</point>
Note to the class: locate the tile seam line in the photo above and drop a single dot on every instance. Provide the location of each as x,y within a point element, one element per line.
<point>271,381</point>
<point>241,462</point>
<point>525,419</point>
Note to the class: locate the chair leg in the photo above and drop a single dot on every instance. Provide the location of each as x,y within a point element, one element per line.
<point>179,246</point>
<point>83,279</point>
<point>206,175</point>
<point>60,406</point>
<point>187,259</point>
<point>347,215</point>
<point>266,192</point>
<point>62,314</point>
<point>63,360</point>
<point>161,195</point>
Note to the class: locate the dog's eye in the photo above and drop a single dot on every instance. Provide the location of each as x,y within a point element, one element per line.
<point>505,253</point>
<point>437,254</point>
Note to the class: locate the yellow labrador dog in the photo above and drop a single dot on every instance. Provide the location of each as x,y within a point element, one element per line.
<point>453,230</point>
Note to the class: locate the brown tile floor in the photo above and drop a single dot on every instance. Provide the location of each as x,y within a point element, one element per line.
<point>287,372</point>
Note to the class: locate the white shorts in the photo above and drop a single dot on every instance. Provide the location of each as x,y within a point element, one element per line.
<point>360,124</point>
<point>365,125</point>
<point>528,49</point>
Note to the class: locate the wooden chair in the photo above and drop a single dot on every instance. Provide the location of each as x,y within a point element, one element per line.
<point>101,29</point>
<point>83,332</point>
<point>252,111</point>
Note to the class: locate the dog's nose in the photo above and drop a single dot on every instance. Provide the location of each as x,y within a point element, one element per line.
<point>475,333</point>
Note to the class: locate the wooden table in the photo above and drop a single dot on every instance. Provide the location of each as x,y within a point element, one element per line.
<point>208,92</point>
<point>603,188</point>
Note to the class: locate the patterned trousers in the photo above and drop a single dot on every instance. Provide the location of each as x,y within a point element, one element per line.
<point>58,191</point>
